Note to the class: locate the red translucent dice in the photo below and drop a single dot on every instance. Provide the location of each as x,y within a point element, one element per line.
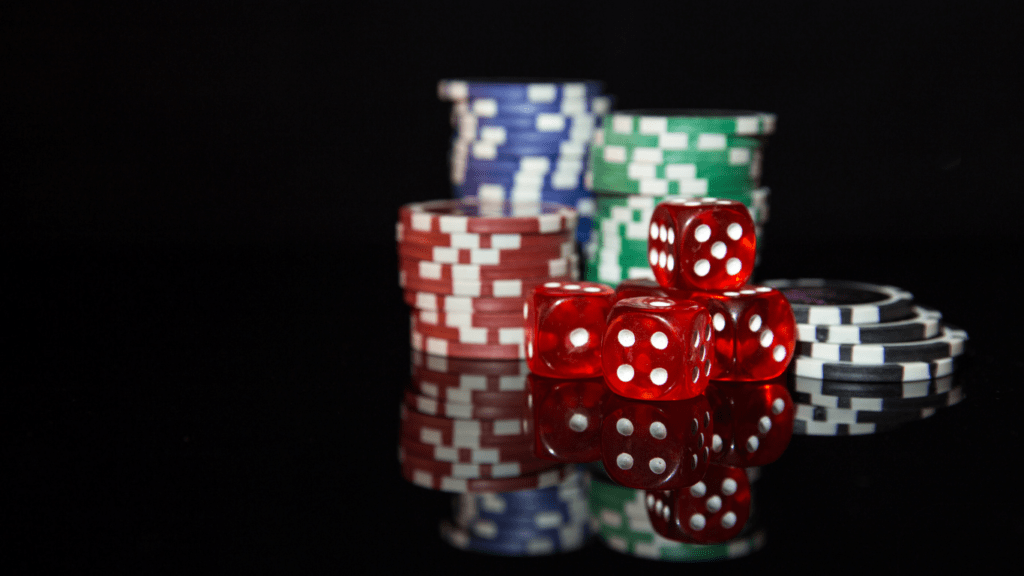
<point>755,332</point>
<point>657,348</point>
<point>565,322</point>
<point>711,511</point>
<point>656,445</point>
<point>567,417</point>
<point>753,422</point>
<point>701,244</point>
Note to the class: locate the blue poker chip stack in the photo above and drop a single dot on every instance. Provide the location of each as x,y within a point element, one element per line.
<point>524,523</point>
<point>525,140</point>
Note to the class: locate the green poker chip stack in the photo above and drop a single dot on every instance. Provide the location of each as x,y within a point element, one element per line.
<point>640,157</point>
<point>620,520</point>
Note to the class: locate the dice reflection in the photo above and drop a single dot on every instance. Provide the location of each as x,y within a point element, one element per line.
<point>715,509</point>
<point>753,422</point>
<point>567,416</point>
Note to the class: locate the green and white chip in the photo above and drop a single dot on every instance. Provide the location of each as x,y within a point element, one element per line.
<point>649,122</point>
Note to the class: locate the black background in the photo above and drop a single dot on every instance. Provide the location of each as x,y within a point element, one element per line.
<point>207,341</point>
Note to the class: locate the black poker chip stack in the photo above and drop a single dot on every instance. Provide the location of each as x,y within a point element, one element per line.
<point>868,359</point>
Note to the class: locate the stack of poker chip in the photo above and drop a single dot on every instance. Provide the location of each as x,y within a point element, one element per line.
<point>868,358</point>
<point>621,521</point>
<point>467,266</point>
<point>464,431</point>
<point>524,140</point>
<point>640,157</point>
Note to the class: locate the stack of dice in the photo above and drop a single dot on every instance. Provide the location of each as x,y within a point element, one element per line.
<point>667,382</point>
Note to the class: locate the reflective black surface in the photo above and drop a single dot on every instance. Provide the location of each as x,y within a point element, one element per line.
<point>206,340</point>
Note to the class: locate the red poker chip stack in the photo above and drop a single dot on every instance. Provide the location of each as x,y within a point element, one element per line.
<point>466,268</point>
<point>465,428</point>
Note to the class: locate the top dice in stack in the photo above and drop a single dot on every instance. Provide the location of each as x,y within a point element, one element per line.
<point>704,249</point>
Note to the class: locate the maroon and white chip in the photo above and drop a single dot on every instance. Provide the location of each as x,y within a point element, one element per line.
<point>433,301</point>
<point>468,319</point>
<point>444,347</point>
<point>445,483</point>
<point>442,453</point>
<point>462,215</point>
<point>485,256</point>
<point>448,409</point>
<point>439,384</point>
<point>471,335</point>
<point>468,396</point>
<point>428,270</point>
<point>479,241</point>
<point>500,288</point>
<point>521,449</point>
<point>501,427</point>
<point>462,470</point>
<point>471,368</point>
<point>446,437</point>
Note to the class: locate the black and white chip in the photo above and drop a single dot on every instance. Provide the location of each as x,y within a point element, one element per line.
<point>940,400</point>
<point>948,343</point>
<point>847,416</point>
<point>816,428</point>
<point>921,325</point>
<point>820,301</point>
<point>887,372</point>
<point>895,390</point>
